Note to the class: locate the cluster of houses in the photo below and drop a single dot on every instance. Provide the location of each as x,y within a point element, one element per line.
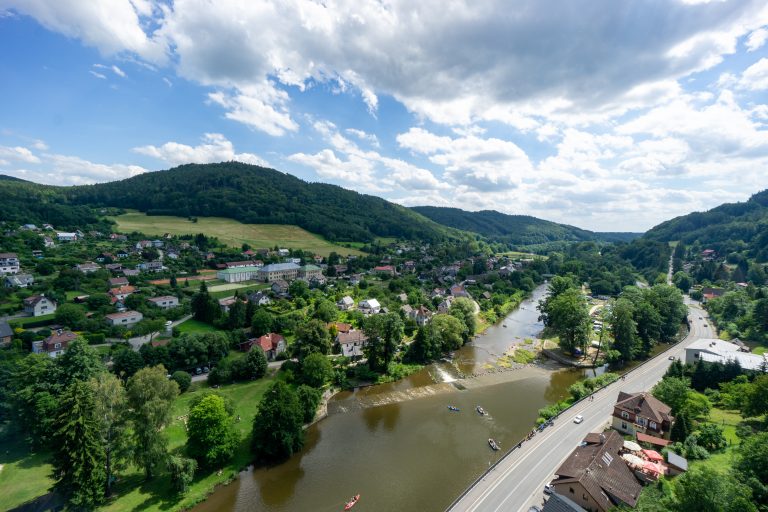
<point>605,470</point>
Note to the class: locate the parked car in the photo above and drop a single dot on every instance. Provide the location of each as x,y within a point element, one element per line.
<point>206,369</point>
<point>198,371</point>
<point>578,419</point>
<point>549,488</point>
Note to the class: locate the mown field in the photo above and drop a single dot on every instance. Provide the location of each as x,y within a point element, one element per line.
<point>230,232</point>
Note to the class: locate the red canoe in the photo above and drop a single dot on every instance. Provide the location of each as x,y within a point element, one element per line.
<point>351,503</point>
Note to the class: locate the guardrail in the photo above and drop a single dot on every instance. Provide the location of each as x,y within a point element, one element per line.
<point>540,429</point>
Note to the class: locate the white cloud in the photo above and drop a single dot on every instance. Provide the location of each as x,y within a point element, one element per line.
<point>119,72</point>
<point>262,108</point>
<point>756,39</point>
<point>368,137</point>
<point>167,82</point>
<point>97,74</point>
<point>215,148</point>
<point>55,169</point>
<point>18,154</point>
<point>755,77</point>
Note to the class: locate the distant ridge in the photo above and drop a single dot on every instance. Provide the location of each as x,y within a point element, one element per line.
<point>515,229</point>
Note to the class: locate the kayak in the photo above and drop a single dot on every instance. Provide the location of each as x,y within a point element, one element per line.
<point>351,503</point>
<point>453,408</point>
<point>481,410</point>
<point>493,444</point>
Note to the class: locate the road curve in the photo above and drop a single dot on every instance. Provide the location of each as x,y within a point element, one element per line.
<point>516,482</point>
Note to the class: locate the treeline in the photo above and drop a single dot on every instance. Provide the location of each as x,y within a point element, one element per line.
<point>741,313</point>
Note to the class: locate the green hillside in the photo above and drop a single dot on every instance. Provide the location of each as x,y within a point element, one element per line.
<point>730,227</point>
<point>515,229</point>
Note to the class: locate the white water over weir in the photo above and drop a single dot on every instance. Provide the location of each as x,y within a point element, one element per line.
<point>444,375</point>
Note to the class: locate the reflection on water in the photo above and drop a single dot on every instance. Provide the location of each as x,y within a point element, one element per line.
<point>411,453</point>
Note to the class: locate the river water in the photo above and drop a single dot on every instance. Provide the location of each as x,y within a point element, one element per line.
<point>398,445</point>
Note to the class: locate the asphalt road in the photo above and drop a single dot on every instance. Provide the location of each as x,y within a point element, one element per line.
<point>516,483</point>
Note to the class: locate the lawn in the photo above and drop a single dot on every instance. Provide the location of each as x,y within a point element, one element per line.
<point>156,495</point>
<point>728,420</point>
<point>236,286</point>
<point>230,232</point>
<point>193,325</point>
<point>220,294</point>
<point>24,476</point>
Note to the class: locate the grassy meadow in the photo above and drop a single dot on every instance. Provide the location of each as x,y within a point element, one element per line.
<point>230,232</point>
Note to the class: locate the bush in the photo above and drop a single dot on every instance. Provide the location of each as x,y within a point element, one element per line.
<point>182,472</point>
<point>183,379</point>
<point>96,338</point>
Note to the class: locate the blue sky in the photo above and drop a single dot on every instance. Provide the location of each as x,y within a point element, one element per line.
<point>606,115</point>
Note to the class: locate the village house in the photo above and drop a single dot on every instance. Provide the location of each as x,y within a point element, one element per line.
<point>9,263</point>
<point>403,298</point>
<point>164,301</point>
<point>114,268</point>
<point>272,344</point>
<point>369,307</point>
<point>437,292</point>
<point>459,291</point>
<point>445,306</point>
<point>407,310</point>
<point>105,257</point>
<point>310,272</point>
<point>120,293</point>
<point>88,267</point>
<point>710,293</point>
<point>129,272</point>
<point>345,303</point>
<point>151,266</point>
<point>708,254</point>
<point>422,315</point>
<point>37,254</point>
<point>238,274</point>
<point>260,298</point>
<point>122,253</point>
<point>283,252</point>
<point>39,305</point>
<point>642,412</point>
<point>6,334</point>
<point>118,237</point>
<point>19,280</point>
<point>352,343</point>
<point>340,269</point>
<point>55,344</point>
<point>409,266</point>
<point>385,270</point>
<point>280,287</point>
<point>239,264</point>
<point>124,319</point>
<point>715,350</point>
<point>66,237</point>
<point>143,244</point>
<point>226,303</point>
<point>158,244</point>
<point>48,242</point>
<point>595,476</point>
<point>278,271</point>
<point>354,279</point>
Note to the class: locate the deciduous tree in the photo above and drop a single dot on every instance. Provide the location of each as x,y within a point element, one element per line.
<point>277,426</point>
<point>211,435</point>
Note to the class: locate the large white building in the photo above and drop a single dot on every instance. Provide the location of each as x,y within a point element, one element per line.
<point>125,319</point>
<point>718,351</point>
<point>238,274</point>
<point>9,263</point>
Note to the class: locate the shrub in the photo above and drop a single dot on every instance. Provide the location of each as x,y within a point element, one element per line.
<point>183,379</point>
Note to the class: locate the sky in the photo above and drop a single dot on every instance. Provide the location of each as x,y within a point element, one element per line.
<point>607,115</point>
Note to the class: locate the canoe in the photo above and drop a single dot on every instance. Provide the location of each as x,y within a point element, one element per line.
<point>351,503</point>
<point>453,408</point>
<point>493,444</point>
<point>481,410</point>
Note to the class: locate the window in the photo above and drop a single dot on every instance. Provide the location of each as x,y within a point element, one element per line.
<point>641,421</point>
<point>57,345</point>
<point>570,489</point>
<point>624,425</point>
<point>625,415</point>
<point>653,425</point>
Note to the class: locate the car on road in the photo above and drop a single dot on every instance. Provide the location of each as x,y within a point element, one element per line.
<point>701,318</point>
<point>549,488</point>
<point>705,325</point>
<point>578,419</point>
<point>534,508</point>
<point>671,358</point>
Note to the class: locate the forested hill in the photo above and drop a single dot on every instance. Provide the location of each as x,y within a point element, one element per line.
<point>515,229</point>
<point>253,194</point>
<point>730,227</point>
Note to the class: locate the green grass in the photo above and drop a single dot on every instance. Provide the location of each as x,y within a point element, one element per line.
<point>72,294</point>
<point>21,322</point>
<point>759,350</point>
<point>523,356</point>
<point>156,495</point>
<point>24,476</point>
<point>230,232</point>
<point>193,325</point>
<point>241,290</point>
<point>728,420</point>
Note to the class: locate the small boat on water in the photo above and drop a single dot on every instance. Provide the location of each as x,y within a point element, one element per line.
<point>493,444</point>
<point>481,411</point>
<point>351,503</point>
<point>504,325</point>
<point>453,408</point>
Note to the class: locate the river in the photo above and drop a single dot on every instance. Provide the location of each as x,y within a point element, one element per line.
<point>398,445</point>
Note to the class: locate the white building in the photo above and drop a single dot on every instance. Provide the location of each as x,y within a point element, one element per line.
<point>39,305</point>
<point>346,303</point>
<point>238,274</point>
<point>352,343</point>
<point>165,302</point>
<point>9,263</point>
<point>126,319</point>
<point>718,351</point>
<point>369,307</point>
<point>66,237</point>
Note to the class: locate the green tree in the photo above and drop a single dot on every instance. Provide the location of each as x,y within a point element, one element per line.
<point>311,336</point>
<point>298,289</point>
<point>757,398</point>
<point>698,405</point>
<point>624,329</point>
<point>668,301</point>
<point>704,488</point>
<point>78,454</point>
<point>673,391</point>
<point>33,390</point>
<point>326,311</point>
<point>384,333</point>
<point>111,413</point>
<point>711,437</point>
<point>236,317</point>
<point>182,472</point>
<point>127,362</point>
<point>255,364</point>
<point>316,370</point>
<point>262,322</point>
<point>70,315</point>
<point>448,331</point>
<point>211,435</point>
<point>568,316</point>
<point>277,426</point>
<point>464,309</point>
<point>182,379</point>
<point>648,322</point>
<point>682,281</point>
<point>150,396</point>
<point>204,307</point>
<point>752,464</point>
<point>682,427</point>
<point>79,362</point>
<point>309,398</point>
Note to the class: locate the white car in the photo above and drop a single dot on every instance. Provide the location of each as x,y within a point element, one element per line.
<point>578,419</point>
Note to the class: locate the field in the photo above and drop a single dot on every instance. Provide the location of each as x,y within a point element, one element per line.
<point>192,325</point>
<point>23,476</point>
<point>230,232</point>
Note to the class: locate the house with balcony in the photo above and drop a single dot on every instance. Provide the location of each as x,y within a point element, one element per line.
<point>9,263</point>
<point>642,413</point>
<point>55,344</point>
<point>39,305</point>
